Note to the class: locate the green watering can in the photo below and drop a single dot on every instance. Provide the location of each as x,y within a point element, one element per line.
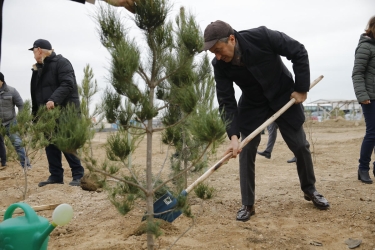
<point>30,232</point>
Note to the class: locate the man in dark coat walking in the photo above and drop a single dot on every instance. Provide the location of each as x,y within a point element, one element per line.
<point>251,59</point>
<point>53,83</point>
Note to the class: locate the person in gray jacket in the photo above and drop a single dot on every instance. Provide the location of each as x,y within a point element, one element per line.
<point>9,98</point>
<point>363,77</point>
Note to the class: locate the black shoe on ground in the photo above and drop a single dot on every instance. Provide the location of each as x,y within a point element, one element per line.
<point>265,154</point>
<point>364,176</point>
<point>318,200</point>
<point>49,181</point>
<point>75,182</point>
<point>245,213</point>
<point>294,159</point>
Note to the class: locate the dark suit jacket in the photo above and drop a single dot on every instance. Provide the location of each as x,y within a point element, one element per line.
<point>261,50</point>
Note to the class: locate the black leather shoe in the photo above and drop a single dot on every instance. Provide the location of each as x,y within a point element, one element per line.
<point>364,176</point>
<point>265,154</point>
<point>294,159</point>
<point>318,200</point>
<point>245,212</point>
<point>49,181</point>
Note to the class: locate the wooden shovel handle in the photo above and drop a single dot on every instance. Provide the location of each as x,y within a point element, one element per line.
<point>247,139</point>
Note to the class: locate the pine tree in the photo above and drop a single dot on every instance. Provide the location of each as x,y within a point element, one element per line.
<point>59,126</point>
<point>162,79</point>
<point>86,91</point>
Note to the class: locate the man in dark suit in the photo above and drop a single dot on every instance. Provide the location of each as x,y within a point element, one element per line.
<point>251,59</point>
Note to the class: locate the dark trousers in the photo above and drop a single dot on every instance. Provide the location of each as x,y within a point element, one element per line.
<point>368,142</point>
<point>272,135</point>
<point>297,143</point>
<point>3,152</point>
<point>55,166</point>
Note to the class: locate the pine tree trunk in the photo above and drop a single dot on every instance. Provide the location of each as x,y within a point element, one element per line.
<point>184,156</point>
<point>149,199</point>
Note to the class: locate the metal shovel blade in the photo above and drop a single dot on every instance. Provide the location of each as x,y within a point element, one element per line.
<point>165,207</point>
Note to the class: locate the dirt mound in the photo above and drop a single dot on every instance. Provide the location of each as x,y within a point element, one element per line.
<point>166,227</point>
<point>89,182</point>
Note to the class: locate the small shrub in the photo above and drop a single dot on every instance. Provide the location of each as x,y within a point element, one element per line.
<point>204,191</point>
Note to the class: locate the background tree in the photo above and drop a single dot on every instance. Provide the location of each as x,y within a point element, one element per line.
<point>156,75</point>
<point>86,91</point>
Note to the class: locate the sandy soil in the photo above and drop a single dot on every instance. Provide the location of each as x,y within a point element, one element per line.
<point>283,219</point>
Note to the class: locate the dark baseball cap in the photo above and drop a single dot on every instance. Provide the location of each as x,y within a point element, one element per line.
<point>215,31</point>
<point>41,43</point>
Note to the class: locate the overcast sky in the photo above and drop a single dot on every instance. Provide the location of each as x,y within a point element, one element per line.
<point>329,29</point>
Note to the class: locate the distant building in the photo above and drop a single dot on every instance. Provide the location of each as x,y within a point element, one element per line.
<point>324,109</point>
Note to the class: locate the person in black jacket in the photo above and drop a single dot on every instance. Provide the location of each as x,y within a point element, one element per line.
<point>251,59</point>
<point>53,83</point>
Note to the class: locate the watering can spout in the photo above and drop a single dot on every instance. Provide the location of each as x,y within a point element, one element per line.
<point>40,238</point>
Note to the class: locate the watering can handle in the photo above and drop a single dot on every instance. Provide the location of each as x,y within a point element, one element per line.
<point>247,140</point>
<point>30,214</point>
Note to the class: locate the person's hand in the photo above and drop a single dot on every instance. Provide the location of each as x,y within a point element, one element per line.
<point>233,147</point>
<point>128,4</point>
<point>366,102</point>
<point>50,105</point>
<point>299,97</point>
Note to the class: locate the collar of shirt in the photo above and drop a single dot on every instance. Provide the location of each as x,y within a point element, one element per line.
<point>237,55</point>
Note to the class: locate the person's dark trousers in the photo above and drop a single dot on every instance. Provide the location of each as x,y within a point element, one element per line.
<point>297,143</point>
<point>272,135</point>
<point>3,152</point>
<point>56,170</point>
<point>368,142</point>
<point>17,143</point>
<point>247,170</point>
